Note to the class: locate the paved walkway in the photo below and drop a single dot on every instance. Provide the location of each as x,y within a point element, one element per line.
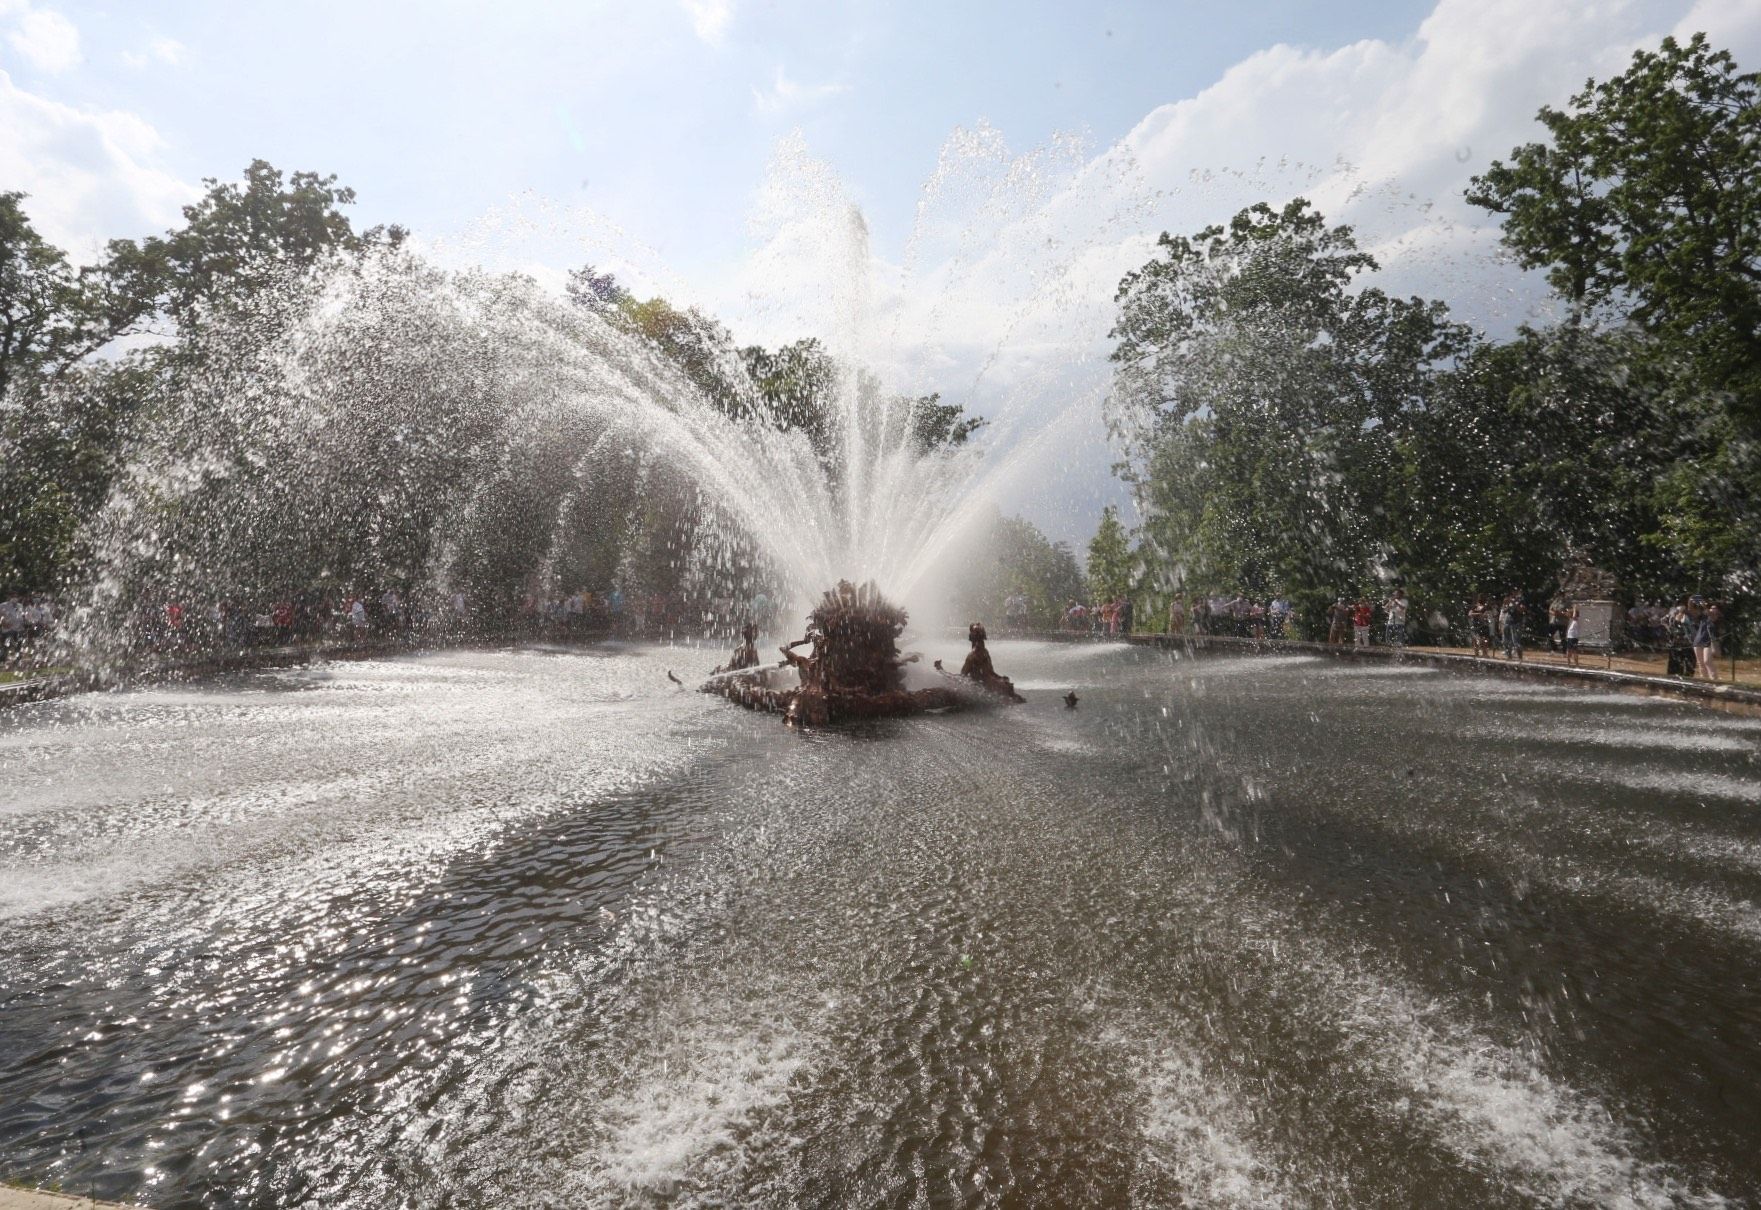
<point>25,1199</point>
<point>1746,673</point>
<point>1742,698</point>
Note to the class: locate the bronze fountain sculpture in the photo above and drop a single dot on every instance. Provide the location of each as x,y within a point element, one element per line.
<point>852,668</point>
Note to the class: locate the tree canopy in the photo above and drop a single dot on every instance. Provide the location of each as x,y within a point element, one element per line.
<point>1259,392</point>
<point>1642,198</point>
<point>41,313</point>
<point>238,239</point>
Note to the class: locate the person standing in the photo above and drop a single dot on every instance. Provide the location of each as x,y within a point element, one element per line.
<point>1238,617</point>
<point>38,617</point>
<point>1396,609</point>
<point>173,626</point>
<point>1278,616</point>
<point>1678,631</point>
<point>1480,627</point>
<point>1571,634</point>
<point>11,627</point>
<point>1558,621</point>
<point>1338,618</point>
<point>1176,615</point>
<point>1510,622</point>
<point>1361,617</point>
<point>1124,613</point>
<point>1700,634</point>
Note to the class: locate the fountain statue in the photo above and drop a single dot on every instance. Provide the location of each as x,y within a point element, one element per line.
<point>853,668</point>
<point>978,666</point>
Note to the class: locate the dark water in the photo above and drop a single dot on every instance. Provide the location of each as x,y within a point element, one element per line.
<point>527,928</point>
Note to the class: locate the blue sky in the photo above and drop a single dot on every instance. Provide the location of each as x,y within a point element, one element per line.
<point>658,114</point>
<point>716,151</point>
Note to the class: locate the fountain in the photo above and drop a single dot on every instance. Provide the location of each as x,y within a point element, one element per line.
<point>457,439</point>
<point>854,669</point>
<point>511,925</point>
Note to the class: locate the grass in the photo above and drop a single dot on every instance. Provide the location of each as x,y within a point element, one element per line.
<point>12,675</point>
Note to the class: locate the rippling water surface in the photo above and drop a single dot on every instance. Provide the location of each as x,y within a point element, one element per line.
<point>532,928</point>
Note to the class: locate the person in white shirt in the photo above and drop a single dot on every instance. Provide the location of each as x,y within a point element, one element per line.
<point>1396,611</point>
<point>1278,614</point>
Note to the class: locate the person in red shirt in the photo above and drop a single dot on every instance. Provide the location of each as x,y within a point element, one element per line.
<point>1361,616</point>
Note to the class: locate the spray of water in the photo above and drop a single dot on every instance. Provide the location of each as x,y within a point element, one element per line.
<point>393,422</point>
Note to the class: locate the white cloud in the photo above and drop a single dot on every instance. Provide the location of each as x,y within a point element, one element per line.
<point>158,50</point>
<point>1014,259</point>
<point>1008,248</point>
<point>90,175</point>
<point>1726,23</point>
<point>43,38</point>
<point>785,94</point>
<point>710,18</point>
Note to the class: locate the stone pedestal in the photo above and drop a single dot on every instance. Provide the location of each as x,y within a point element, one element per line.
<point>1599,623</point>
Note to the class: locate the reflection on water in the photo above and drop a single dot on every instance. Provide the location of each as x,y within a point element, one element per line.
<point>533,928</point>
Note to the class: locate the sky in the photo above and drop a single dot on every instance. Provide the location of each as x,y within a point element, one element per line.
<point>950,191</point>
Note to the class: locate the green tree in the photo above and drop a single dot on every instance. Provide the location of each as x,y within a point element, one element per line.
<point>1644,199</point>
<point>596,291</point>
<point>61,422</point>
<point>1111,565</point>
<point>236,241</point>
<point>936,425</point>
<point>1259,395</point>
<point>1532,453</point>
<point>40,298</point>
<point>1641,206</point>
<point>797,385</point>
<point>67,415</point>
<point>1015,557</point>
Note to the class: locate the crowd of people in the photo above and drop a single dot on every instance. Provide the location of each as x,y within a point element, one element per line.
<point>24,622</point>
<point>178,625</point>
<point>1691,631</point>
<point>580,611</point>
<point>1235,616</point>
<point>1356,619</point>
<point>1111,618</point>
